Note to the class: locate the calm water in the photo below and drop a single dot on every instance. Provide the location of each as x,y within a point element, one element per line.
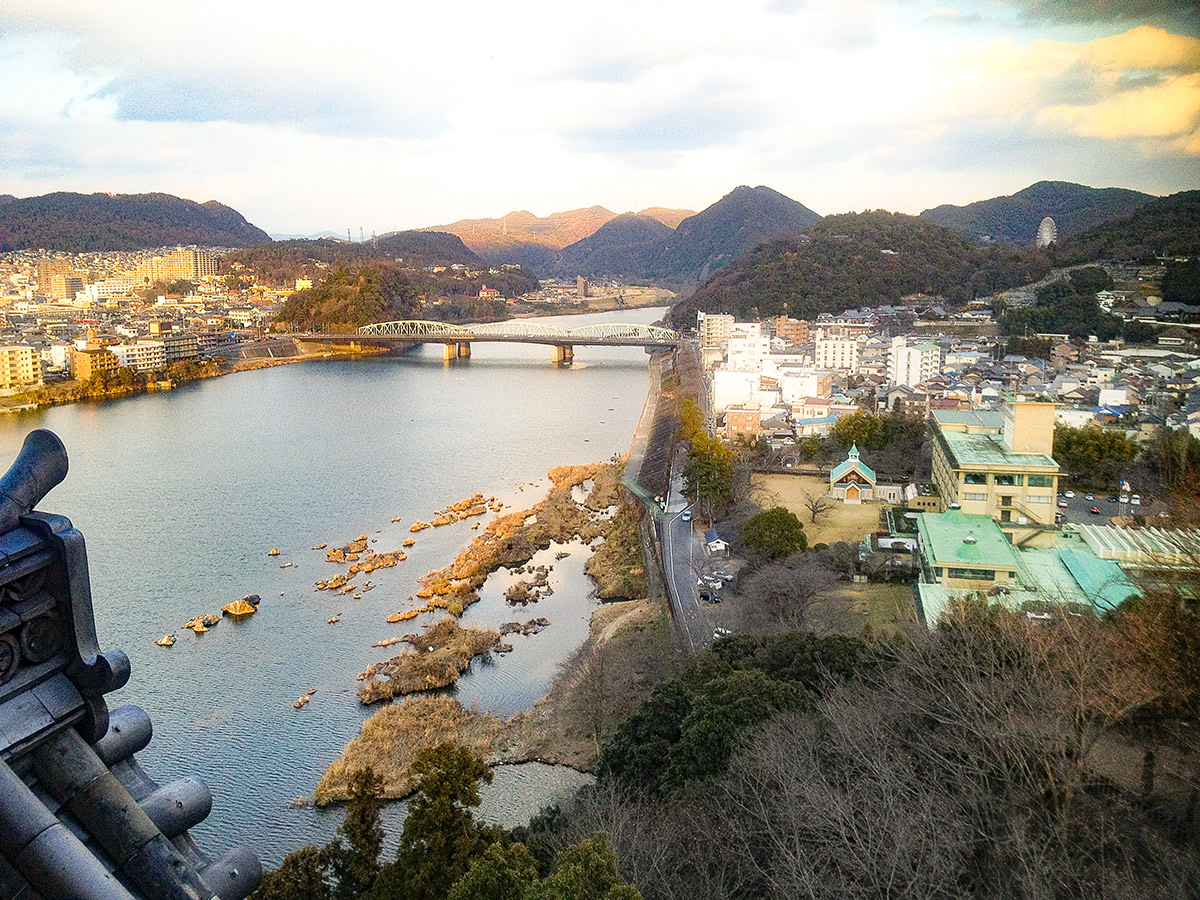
<point>181,495</point>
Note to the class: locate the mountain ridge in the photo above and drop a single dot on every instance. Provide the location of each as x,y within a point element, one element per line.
<point>1014,218</point>
<point>80,223</point>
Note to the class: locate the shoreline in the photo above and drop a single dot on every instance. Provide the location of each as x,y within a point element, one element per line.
<point>630,636</point>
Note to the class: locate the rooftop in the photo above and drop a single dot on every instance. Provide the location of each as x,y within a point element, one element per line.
<point>990,450</point>
<point>943,537</point>
<point>976,418</point>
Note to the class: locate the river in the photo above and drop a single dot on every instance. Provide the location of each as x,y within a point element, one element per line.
<point>180,495</point>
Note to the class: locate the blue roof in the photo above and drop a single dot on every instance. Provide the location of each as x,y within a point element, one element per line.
<point>1101,579</point>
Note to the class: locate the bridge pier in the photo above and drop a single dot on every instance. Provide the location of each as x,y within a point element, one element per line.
<point>464,350</point>
<point>450,351</point>
<point>564,353</point>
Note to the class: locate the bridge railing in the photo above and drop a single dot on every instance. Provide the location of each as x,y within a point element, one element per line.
<point>524,328</point>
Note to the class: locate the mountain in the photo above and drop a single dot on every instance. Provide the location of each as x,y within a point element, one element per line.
<point>857,259</point>
<point>78,223</point>
<point>1165,226</point>
<point>305,237</point>
<point>731,227</point>
<point>623,247</point>
<point>282,262</point>
<point>701,244</point>
<point>1015,219</point>
<point>669,217</point>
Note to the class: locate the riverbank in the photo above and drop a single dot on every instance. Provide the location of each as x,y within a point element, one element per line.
<point>112,386</point>
<point>628,648</point>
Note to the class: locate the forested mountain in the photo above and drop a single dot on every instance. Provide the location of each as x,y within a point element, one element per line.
<point>79,223</point>
<point>1015,219</point>
<point>624,247</point>
<point>856,259</point>
<point>700,244</point>
<point>1167,226</point>
<point>281,262</point>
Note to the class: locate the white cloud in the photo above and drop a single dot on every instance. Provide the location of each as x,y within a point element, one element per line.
<point>304,115</point>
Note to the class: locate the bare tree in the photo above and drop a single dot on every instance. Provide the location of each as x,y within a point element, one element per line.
<point>817,504</point>
<point>789,589</point>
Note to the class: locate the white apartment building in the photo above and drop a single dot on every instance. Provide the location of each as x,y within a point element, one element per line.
<point>797,385</point>
<point>20,368</point>
<point>714,330</point>
<point>837,353</point>
<point>913,364</point>
<point>98,292</point>
<point>746,350</point>
<point>144,356</point>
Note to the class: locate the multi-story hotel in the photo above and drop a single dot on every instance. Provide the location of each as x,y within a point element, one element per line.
<point>837,353</point>
<point>999,464</point>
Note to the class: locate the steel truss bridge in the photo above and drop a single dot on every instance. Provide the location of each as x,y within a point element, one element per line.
<point>457,339</point>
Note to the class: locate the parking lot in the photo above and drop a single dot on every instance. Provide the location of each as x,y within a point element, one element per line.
<point>1078,508</point>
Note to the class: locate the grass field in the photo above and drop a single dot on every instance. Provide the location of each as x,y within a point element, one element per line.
<point>842,523</point>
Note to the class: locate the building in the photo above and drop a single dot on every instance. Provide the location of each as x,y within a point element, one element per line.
<point>581,287</point>
<point>852,480</point>
<point>742,422</point>
<point>837,353</point>
<point>964,551</point>
<point>487,293</point>
<point>746,350</point>
<point>91,358</point>
<point>65,287</point>
<point>20,368</point>
<point>184,263</point>
<point>912,364</point>
<point>791,331</point>
<point>714,330</point>
<point>144,356</point>
<point>999,464</point>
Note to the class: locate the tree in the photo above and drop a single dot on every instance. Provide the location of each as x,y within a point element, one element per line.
<point>301,876</point>
<point>817,504</point>
<point>788,590</point>
<point>440,835</point>
<point>585,871</point>
<point>354,864</point>
<point>503,872</point>
<point>774,533</point>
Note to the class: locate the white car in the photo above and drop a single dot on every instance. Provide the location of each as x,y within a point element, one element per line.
<point>1135,500</point>
<point>1070,495</point>
<point>687,515</point>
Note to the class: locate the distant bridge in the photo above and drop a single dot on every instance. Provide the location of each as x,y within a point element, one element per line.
<point>457,339</point>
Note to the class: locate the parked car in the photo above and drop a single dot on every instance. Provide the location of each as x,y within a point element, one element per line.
<point>724,576</point>
<point>1112,499</point>
<point>1095,510</point>
<point>687,515</point>
<point>1063,504</point>
<point>1089,496</point>
<point>1070,495</point>
<point>1135,500</point>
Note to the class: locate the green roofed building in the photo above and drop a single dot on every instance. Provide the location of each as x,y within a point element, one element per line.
<point>964,551</point>
<point>999,465</point>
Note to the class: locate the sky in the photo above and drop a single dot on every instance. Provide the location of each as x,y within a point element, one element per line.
<point>307,116</point>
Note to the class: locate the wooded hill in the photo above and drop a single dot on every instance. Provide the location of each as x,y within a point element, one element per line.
<point>858,259</point>
<point>378,281</point>
<point>702,243</point>
<point>1167,226</point>
<point>1015,219</point>
<point>81,223</point>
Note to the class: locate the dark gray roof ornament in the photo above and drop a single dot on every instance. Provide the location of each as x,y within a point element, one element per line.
<point>79,818</point>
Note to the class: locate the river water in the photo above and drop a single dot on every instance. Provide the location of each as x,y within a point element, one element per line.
<point>180,496</point>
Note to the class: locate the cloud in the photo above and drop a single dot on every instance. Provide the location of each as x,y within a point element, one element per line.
<point>1180,12</point>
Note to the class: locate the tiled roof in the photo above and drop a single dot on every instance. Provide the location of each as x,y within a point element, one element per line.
<point>79,818</point>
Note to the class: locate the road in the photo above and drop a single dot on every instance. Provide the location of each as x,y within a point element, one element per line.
<point>1078,511</point>
<point>680,554</point>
